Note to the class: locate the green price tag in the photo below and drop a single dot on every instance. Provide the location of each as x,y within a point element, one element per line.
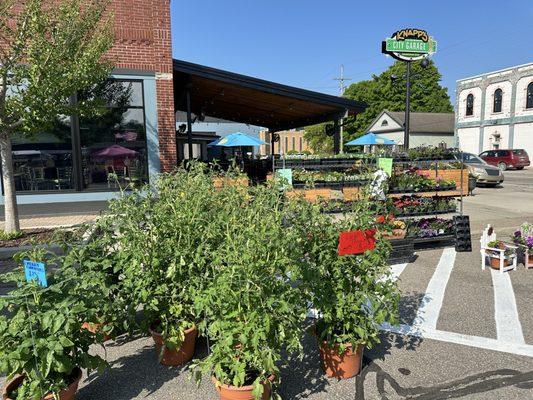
<point>385,164</point>
<point>286,175</point>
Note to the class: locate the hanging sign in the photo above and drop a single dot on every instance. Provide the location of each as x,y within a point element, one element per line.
<point>386,165</point>
<point>356,242</point>
<point>409,45</point>
<point>35,271</point>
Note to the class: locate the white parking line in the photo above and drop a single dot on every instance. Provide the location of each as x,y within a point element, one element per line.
<point>396,270</point>
<point>465,340</point>
<point>508,327</point>
<point>429,310</point>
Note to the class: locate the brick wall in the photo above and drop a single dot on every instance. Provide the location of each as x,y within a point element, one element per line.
<point>143,42</point>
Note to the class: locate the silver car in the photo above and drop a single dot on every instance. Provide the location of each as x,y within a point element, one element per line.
<point>485,174</point>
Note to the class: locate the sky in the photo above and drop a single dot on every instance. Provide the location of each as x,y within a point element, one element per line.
<point>303,43</point>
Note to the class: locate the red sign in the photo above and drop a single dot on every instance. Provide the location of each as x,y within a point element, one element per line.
<point>356,242</point>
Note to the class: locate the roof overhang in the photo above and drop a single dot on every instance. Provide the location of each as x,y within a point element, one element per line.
<point>234,97</point>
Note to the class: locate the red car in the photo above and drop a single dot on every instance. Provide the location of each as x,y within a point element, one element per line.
<point>515,158</point>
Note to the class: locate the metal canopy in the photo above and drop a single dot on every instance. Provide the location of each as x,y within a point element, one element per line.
<point>234,97</point>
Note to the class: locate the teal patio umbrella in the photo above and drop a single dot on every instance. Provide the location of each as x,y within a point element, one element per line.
<point>237,139</point>
<point>370,139</point>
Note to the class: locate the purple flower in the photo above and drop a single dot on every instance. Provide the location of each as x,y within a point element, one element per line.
<point>518,234</point>
<point>529,242</point>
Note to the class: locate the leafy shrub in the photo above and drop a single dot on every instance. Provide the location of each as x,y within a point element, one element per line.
<point>41,335</point>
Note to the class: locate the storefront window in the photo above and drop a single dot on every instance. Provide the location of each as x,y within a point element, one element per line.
<point>113,144</point>
<point>44,161</point>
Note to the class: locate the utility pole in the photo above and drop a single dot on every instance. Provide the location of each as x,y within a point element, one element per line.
<point>342,88</point>
<point>407,106</point>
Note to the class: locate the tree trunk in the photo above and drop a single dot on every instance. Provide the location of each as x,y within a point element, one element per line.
<point>10,198</point>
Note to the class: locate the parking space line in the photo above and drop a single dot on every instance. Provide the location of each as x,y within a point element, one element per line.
<point>508,327</point>
<point>465,340</point>
<point>396,270</point>
<point>429,310</point>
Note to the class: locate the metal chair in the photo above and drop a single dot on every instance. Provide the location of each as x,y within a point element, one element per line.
<point>64,178</point>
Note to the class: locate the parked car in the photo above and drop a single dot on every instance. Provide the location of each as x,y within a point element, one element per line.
<point>485,174</point>
<point>503,159</point>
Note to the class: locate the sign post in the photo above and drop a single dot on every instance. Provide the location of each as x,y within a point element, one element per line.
<point>409,45</point>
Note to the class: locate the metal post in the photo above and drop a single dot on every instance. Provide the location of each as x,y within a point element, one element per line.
<point>77,166</point>
<point>189,121</point>
<point>336,136</point>
<point>407,106</point>
<point>272,133</point>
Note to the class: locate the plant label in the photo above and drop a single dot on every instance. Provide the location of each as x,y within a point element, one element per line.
<point>35,271</point>
<point>356,242</point>
<point>386,165</point>
<point>285,174</point>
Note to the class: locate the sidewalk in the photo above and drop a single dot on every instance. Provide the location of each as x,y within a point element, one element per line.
<point>51,215</point>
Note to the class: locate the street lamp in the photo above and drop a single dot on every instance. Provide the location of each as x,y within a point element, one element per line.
<point>424,64</point>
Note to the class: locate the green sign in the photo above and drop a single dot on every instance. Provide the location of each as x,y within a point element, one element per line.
<point>385,164</point>
<point>409,45</point>
<point>285,174</point>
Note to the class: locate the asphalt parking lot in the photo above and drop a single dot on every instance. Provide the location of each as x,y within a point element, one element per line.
<point>465,333</point>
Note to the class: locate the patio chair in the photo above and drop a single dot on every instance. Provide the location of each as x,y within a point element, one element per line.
<point>489,236</point>
<point>134,176</point>
<point>64,178</point>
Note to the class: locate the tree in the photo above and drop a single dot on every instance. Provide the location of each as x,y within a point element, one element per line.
<point>49,51</point>
<point>381,93</point>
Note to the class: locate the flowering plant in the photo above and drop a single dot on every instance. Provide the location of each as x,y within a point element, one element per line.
<point>430,227</point>
<point>524,236</point>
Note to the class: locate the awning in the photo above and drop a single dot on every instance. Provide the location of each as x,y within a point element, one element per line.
<point>234,97</point>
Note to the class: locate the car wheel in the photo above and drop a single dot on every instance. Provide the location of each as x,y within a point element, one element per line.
<point>502,166</point>
<point>519,168</point>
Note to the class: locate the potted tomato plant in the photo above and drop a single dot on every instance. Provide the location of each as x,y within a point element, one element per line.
<point>252,309</point>
<point>350,293</point>
<point>43,347</point>
<point>166,241</point>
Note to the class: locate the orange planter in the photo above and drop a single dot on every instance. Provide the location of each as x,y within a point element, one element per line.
<point>66,394</point>
<point>179,356</point>
<point>342,366</point>
<point>227,392</point>
<point>311,195</point>
<point>495,262</point>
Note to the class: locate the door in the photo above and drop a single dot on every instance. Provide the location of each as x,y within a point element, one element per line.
<point>489,157</point>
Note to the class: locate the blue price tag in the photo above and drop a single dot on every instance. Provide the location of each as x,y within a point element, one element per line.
<point>35,271</point>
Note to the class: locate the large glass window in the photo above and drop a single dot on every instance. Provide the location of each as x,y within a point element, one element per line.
<point>470,104</point>
<point>113,144</point>
<point>497,101</point>
<point>43,162</point>
<point>529,99</point>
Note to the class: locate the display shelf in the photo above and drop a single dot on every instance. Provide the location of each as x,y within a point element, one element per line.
<point>444,193</point>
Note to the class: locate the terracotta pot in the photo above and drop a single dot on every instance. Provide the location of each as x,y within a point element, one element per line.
<point>66,394</point>
<point>179,356</point>
<point>95,328</point>
<point>495,262</point>
<point>227,392</point>
<point>342,366</point>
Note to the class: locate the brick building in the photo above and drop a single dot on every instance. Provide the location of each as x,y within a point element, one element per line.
<point>143,133</point>
<point>292,141</point>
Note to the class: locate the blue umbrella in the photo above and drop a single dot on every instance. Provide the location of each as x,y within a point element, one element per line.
<point>370,139</point>
<point>237,139</point>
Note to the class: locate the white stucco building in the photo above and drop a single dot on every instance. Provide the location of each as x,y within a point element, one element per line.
<point>495,110</point>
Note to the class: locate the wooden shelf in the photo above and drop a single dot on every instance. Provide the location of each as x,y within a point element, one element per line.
<point>442,193</point>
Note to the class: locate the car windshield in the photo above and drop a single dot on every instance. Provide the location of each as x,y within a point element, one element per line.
<point>472,159</point>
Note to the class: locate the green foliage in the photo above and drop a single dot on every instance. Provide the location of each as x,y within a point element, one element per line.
<point>54,51</point>
<point>352,294</point>
<point>318,141</point>
<point>10,236</point>
<point>252,308</point>
<point>41,335</point>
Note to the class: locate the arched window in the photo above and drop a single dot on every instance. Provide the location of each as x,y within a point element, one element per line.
<point>385,123</point>
<point>529,99</point>
<point>497,101</point>
<point>470,104</point>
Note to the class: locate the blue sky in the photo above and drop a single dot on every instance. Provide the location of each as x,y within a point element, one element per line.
<point>303,43</point>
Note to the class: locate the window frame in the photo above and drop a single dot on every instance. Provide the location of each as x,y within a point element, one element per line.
<point>498,94</point>
<point>529,96</point>
<point>469,109</point>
